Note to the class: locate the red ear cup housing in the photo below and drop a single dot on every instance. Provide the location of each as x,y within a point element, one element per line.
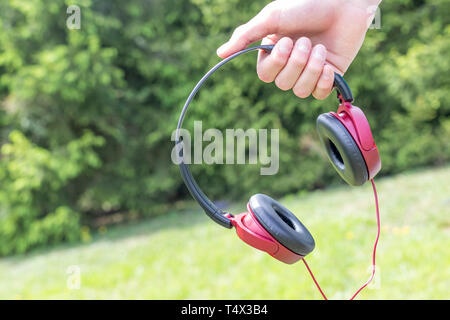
<point>270,227</point>
<point>347,138</point>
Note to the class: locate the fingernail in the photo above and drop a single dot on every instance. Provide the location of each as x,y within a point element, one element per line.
<point>284,48</point>
<point>303,45</point>
<point>319,52</point>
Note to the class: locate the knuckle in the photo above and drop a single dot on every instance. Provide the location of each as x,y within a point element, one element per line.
<point>238,30</point>
<point>323,86</point>
<point>278,60</point>
<point>319,95</point>
<point>304,39</point>
<point>315,68</point>
<point>270,7</point>
<point>269,10</point>
<point>301,92</point>
<point>264,76</point>
<point>299,60</point>
<point>288,41</point>
<point>282,84</point>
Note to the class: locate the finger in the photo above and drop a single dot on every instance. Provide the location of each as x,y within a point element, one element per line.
<point>269,66</point>
<point>289,75</point>
<point>325,84</point>
<point>269,40</point>
<point>308,79</point>
<point>264,23</point>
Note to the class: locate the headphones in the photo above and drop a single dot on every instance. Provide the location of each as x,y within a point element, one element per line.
<point>268,225</point>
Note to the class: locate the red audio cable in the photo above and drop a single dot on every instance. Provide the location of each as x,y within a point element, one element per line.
<point>373,252</point>
<point>314,279</point>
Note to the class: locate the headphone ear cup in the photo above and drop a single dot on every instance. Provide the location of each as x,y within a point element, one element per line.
<point>342,150</point>
<point>282,224</point>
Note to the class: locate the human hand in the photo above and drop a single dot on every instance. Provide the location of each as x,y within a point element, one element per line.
<point>313,39</point>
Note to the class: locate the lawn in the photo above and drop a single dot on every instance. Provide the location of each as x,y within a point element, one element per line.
<point>183,255</point>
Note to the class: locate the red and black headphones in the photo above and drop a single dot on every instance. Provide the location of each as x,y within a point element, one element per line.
<point>269,226</point>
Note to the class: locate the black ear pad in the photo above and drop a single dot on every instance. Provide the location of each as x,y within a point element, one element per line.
<point>282,224</point>
<point>342,150</point>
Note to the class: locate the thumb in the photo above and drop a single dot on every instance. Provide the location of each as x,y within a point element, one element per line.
<point>263,24</point>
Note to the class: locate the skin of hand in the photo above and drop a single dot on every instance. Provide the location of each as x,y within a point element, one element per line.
<point>312,38</point>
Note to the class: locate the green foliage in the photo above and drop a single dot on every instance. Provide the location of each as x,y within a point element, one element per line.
<point>36,207</point>
<point>87,114</point>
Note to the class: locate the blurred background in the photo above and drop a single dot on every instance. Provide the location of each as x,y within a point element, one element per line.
<point>91,205</point>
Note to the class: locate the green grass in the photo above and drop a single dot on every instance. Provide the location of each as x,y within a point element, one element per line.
<point>186,256</point>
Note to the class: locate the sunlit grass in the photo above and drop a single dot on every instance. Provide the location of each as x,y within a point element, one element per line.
<point>186,256</point>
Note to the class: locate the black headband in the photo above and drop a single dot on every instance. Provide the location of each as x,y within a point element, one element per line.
<point>210,208</point>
